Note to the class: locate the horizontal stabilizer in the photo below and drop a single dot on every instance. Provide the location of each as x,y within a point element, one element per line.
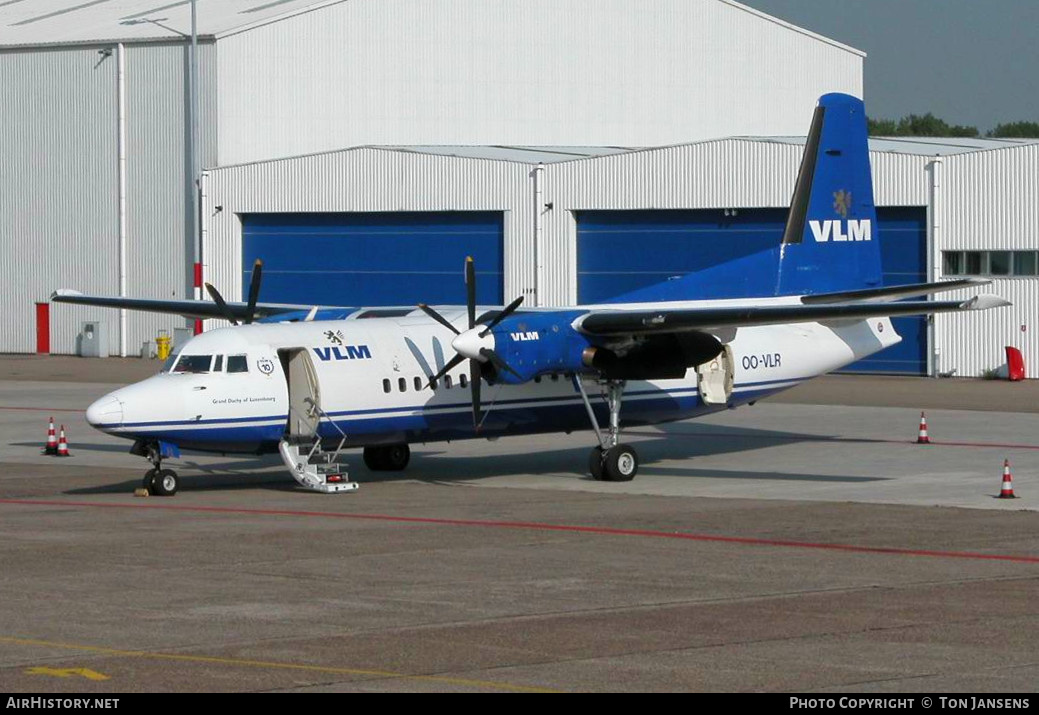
<point>649,322</point>
<point>891,292</point>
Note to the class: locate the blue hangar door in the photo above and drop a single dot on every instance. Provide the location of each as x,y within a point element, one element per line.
<point>620,251</point>
<point>362,259</point>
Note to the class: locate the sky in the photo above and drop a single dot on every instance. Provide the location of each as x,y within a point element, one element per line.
<point>971,62</point>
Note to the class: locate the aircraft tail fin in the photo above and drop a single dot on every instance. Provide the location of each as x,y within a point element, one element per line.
<point>830,242</point>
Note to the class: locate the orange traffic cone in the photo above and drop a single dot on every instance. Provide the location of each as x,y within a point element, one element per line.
<point>922,437</point>
<point>1007,492</point>
<point>52,442</point>
<point>63,445</point>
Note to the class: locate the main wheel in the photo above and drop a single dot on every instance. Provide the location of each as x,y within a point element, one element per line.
<point>595,460</point>
<point>374,458</point>
<point>165,483</point>
<point>396,457</point>
<point>149,477</point>
<point>621,464</point>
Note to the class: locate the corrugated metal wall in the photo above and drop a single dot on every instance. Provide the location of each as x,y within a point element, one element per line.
<point>369,180</point>
<point>59,184</point>
<point>536,72</point>
<point>989,200</point>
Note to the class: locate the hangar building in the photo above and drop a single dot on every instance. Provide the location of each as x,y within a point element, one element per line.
<point>363,148</point>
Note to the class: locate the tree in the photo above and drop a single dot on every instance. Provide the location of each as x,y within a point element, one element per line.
<point>1016,130</point>
<point>881,127</point>
<point>917,125</point>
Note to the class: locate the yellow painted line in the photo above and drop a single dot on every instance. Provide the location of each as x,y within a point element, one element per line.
<point>486,684</point>
<point>67,672</point>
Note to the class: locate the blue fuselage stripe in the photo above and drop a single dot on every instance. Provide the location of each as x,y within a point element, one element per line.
<point>443,422</point>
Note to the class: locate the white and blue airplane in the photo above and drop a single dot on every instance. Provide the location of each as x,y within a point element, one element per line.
<point>310,381</point>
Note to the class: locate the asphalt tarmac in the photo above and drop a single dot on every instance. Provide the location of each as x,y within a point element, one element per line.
<point>805,544</point>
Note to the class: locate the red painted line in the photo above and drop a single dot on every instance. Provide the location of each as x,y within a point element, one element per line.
<point>42,409</point>
<point>537,526</point>
<point>839,440</point>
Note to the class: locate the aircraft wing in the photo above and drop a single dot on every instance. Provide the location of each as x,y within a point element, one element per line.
<point>648,322</point>
<point>188,308</point>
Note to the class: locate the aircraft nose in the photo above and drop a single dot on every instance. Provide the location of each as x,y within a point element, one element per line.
<point>106,412</point>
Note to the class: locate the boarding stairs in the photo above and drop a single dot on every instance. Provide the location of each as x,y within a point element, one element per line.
<point>310,464</point>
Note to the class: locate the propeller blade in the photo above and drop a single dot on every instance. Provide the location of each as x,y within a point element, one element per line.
<point>438,317</point>
<point>497,361</point>
<point>451,365</point>
<point>220,303</point>
<point>509,310</point>
<point>474,383</point>
<point>470,290</point>
<point>254,291</point>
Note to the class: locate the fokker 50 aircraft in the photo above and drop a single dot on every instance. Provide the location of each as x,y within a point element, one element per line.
<point>309,381</point>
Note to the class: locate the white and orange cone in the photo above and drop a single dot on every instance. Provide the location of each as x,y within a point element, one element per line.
<point>52,442</point>
<point>921,437</point>
<point>1007,492</point>
<point>63,445</point>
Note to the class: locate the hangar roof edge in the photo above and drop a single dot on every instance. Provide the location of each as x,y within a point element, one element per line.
<point>78,22</point>
<point>533,155</point>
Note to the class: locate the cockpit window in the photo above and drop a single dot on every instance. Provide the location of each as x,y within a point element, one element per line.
<point>237,363</point>
<point>167,365</point>
<point>218,365</point>
<point>193,364</point>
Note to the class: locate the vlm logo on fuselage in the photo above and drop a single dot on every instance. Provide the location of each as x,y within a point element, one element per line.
<point>849,230</point>
<point>346,352</point>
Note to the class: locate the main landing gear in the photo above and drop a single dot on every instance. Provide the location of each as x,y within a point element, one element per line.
<point>387,458</point>
<point>158,481</point>
<point>610,461</point>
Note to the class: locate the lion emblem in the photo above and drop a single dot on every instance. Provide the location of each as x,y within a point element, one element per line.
<point>842,202</point>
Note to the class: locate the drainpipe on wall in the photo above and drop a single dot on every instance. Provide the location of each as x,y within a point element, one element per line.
<point>539,207</point>
<point>934,255</point>
<point>195,161</point>
<point>120,63</point>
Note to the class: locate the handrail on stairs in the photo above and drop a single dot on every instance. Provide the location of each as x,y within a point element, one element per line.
<point>322,415</point>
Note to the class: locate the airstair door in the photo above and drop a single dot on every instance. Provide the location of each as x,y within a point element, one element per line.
<point>304,394</point>
<point>714,378</point>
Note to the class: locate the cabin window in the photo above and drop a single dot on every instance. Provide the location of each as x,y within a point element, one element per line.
<point>447,382</point>
<point>462,380</point>
<point>386,385</point>
<point>218,364</point>
<point>193,364</point>
<point>237,363</point>
<point>402,384</point>
<point>418,384</point>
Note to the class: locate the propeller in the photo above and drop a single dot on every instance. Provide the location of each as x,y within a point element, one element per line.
<point>254,294</point>
<point>472,344</point>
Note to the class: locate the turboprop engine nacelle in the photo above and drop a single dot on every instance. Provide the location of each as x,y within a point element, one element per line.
<point>533,344</point>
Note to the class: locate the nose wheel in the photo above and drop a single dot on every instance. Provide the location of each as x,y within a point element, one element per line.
<point>158,481</point>
<point>611,461</point>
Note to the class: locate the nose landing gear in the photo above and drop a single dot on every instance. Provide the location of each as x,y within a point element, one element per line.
<point>158,481</point>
